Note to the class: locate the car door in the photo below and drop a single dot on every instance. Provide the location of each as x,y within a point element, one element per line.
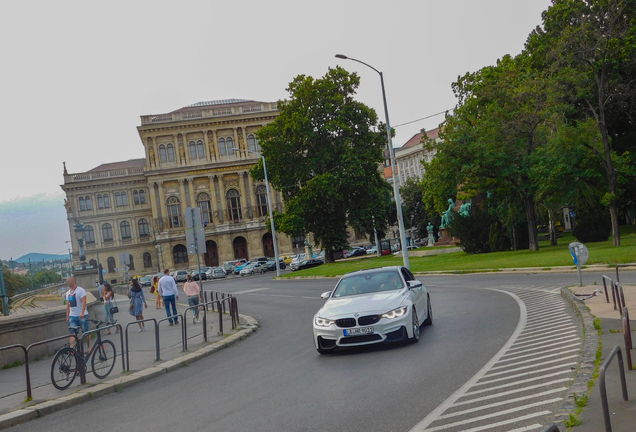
<point>417,294</point>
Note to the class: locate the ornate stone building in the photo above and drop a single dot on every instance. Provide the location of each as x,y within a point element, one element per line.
<point>137,206</point>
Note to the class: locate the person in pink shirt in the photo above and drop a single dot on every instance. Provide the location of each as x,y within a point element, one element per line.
<point>191,289</point>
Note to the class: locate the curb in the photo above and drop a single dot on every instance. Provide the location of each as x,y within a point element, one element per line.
<point>588,357</point>
<point>118,384</point>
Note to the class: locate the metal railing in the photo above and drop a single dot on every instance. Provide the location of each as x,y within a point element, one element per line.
<point>157,355</point>
<point>627,334</point>
<point>80,349</point>
<point>601,379</point>
<point>620,296</point>
<point>618,278</point>
<point>611,283</point>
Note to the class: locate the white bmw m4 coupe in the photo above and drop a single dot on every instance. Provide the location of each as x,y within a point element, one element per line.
<point>371,306</point>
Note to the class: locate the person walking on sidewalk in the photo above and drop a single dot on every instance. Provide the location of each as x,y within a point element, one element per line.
<point>109,297</point>
<point>76,311</point>
<point>137,303</point>
<point>155,290</point>
<point>191,289</point>
<point>170,294</point>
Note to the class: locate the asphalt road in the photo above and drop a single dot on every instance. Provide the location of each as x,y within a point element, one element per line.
<point>276,381</point>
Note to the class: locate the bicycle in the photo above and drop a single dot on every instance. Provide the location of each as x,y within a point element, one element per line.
<point>67,361</point>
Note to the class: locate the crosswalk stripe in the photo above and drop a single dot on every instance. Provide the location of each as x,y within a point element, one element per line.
<point>559,328</point>
<point>535,359</point>
<point>539,343</point>
<point>502,423</point>
<point>536,339</point>
<point>546,351</point>
<point>496,404</point>
<point>533,366</point>
<point>575,338</point>
<point>534,379</point>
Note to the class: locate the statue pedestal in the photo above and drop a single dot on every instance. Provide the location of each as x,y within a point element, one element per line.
<point>445,239</point>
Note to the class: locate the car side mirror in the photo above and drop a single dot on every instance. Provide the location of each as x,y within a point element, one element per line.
<point>325,295</point>
<point>413,284</point>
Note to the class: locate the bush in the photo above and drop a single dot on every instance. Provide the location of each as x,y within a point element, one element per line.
<point>498,238</point>
<point>473,231</point>
<point>593,225</point>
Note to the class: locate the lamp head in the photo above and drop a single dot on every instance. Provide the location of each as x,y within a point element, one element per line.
<point>342,56</point>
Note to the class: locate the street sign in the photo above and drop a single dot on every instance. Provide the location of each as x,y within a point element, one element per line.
<point>580,255</point>
<point>124,258</point>
<point>195,231</point>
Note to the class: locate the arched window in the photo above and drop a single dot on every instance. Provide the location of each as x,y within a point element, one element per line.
<point>107,232</point>
<point>131,266</point>
<point>93,263</point>
<point>136,197</point>
<point>251,142</point>
<point>203,200</point>
<point>89,234</point>
<point>261,200</point>
<point>147,260</point>
<point>222,146</point>
<point>193,150</point>
<point>142,196</point>
<point>234,205</point>
<point>106,201</point>
<point>88,203</point>
<point>258,146</point>
<point>124,198</point>
<point>230,145</point>
<point>200,149</point>
<point>174,212</point>
<point>111,264</point>
<point>124,228</point>
<point>100,201</point>
<point>162,153</point>
<point>118,201</point>
<point>81,204</point>
<point>180,254</point>
<point>144,228</point>
<point>170,150</point>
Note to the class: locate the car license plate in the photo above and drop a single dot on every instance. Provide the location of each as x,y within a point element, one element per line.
<point>358,331</point>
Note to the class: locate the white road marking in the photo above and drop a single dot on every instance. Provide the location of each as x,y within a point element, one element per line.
<point>506,393</point>
<point>496,404</point>
<point>311,297</point>
<point>280,295</point>
<point>547,351</point>
<point>543,325</point>
<point>536,358</point>
<point>538,343</point>
<point>525,374</point>
<point>502,423</point>
<point>536,339</point>
<point>544,304</point>
<point>250,290</point>
<point>534,366</point>
<point>559,328</point>
<point>527,428</point>
<point>262,295</point>
<point>544,315</point>
<point>545,346</point>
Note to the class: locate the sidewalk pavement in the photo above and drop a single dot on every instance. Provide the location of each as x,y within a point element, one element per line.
<point>13,407</point>
<point>622,414</point>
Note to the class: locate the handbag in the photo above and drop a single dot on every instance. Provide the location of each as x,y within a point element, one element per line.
<point>114,309</point>
<point>152,290</point>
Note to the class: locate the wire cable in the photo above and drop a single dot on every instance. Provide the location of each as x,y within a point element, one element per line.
<point>423,118</point>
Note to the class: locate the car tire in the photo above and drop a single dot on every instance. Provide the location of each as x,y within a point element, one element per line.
<point>415,322</point>
<point>429,313</point>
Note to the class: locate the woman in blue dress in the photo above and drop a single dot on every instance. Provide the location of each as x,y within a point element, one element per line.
<point>137,303</point>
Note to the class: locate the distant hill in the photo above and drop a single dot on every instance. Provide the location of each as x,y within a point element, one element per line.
<point>34,256</point>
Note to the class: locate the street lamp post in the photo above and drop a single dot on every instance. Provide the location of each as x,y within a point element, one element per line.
<point>270,205</point>
<point>396,183</point>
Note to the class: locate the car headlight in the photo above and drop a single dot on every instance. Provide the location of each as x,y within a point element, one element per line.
<point>395,313</point>
<point>322,322</point>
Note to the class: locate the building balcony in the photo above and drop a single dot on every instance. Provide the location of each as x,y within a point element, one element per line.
<point>100,175</point>
<point>219,221</point>
<point>209,112</point>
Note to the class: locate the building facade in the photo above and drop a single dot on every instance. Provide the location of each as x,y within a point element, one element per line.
<point>409,157</point>
<point>197,156</point>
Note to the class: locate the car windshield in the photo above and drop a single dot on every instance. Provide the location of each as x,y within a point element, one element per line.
<point>368,283</point>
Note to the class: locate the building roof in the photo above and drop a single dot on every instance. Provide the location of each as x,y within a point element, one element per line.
<point>417,138</point>
<point>219,102</point>
<point>132,163</point>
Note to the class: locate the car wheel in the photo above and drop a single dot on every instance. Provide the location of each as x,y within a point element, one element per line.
<point>429,313</point>
<point>415,322</point>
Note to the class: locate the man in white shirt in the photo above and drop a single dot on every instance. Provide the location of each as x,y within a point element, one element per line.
<point>76,312</point>
<point>170,293</point>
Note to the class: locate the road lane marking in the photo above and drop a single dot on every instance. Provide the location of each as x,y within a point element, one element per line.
<point>535,359</point>
<point>546,346</point>
<point>528,345</point>
<point>281,295</point>
<point>250,290</point>
<point>495,414</point>
<point>543,325</point>
<point>501,423</point>
<point>543,352</point>
<point>558,327</point>
<point>509,392</point>
<point>536,339</point>
<point>313,298</point>
<point>527,428</point>
<point>496,404</point>
<point>525,374</point>
<point>533,366</point>
<point>544,315</point>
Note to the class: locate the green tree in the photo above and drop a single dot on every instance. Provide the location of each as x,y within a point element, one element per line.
<point>13,282</point>
<point>46,277</point>
<point>322,153</point>
<point>413,206</point>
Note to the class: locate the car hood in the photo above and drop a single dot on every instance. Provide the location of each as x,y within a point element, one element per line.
<point>374,303</point>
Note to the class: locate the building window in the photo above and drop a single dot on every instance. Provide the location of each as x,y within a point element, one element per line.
<point>193,150</point>
<point>144,228</point>
<point>107,232</point>
<point>106,201</point>
<point>82,206</point>
<point>222,146</point>
<point>234,205</point>
<point>118,201</point>
<point>200,149</point>
<point>93,263</point>
<point>111,264</point>
<point>131,266</point>
<point>180,254</point>
<point>261,200</point>
<point>100,201</point>
<point>124,198</point>
<point>170,151</point>
<point>174,212</point>
<point>298,241</point>
<point>89,234</point>
<point>203,200</point>
<point>88,203</point>
<point>251,142</point>
<point>136,197</point>
<point>142,196</point>
<point>124,228</point>
<point>147,260</point>
<point>229,143</point>
<point>162,153</point>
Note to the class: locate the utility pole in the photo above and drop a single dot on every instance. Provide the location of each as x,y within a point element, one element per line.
<point>4,301</point>
<point>31,272</point>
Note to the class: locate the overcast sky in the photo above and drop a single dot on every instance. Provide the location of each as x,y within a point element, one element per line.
<point>77,75</point>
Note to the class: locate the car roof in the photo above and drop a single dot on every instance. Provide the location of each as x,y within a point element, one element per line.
<point>375,270</point>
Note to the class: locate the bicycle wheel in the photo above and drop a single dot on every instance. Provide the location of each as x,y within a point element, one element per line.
<point>103,359</point>
<point>64,368</point>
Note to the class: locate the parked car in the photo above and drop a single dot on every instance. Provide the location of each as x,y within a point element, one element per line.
<point>180,275</point>
<point>228,268</point>
<point>287,258</point>
<point>356,251</point>
<point>385,304</point>
<point>216,273</point>
<point>271,265</point>
<point>296,261</point>
<point>196,275</point>
<point>372,251</point>
<point>309,264</point>
<point>252,268</point>
<point>261,259</point>
<point>145,280</point>
<point>238,268</point>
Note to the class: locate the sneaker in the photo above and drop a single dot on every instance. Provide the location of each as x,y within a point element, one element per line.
<point>171,324</point>
<point>194,319</point>
<point>141,330</point>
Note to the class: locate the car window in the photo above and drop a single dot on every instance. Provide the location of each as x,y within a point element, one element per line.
<point>410,274</point>
<point>368,283</point>
<point>406,274</point>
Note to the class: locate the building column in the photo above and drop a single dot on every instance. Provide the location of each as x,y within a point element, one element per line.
<point>221,197</point>
<point>213,199</point>
<point>182,192</point>
<point>237,144</point>
<point>243,195</point>
<point>206,147</point>
<point>153,200</point>
<point>193,201</point>
<point>245,145</point>
<point>160,206</point>
<point>186,148</point>
<point>215,144</point>
<point>251,197</point>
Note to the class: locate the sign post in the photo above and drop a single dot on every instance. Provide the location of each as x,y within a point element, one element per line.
<point>3,295</point>
<point>580,255</point>
<point>195,236</point>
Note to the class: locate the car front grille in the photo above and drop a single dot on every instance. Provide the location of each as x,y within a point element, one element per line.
<point>346,322</point>
<point>368,320</point>
<point>360,339</point>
